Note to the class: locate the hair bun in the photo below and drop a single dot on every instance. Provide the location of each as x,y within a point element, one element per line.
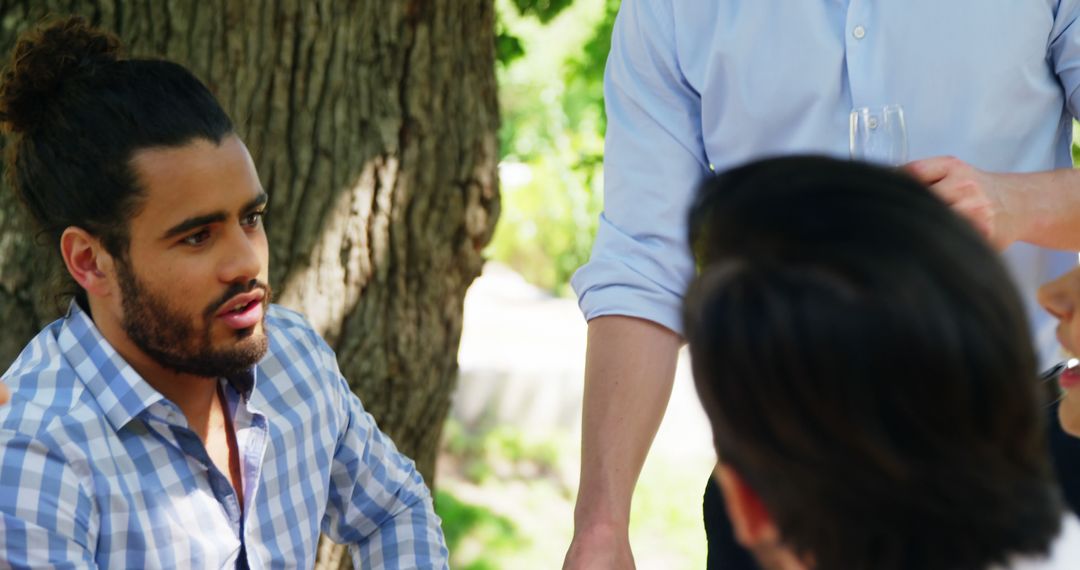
<point>46,58</point>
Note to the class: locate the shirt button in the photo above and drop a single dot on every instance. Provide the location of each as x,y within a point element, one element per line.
<point>859,32</point>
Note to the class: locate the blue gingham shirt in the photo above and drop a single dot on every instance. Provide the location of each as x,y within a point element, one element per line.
<point>98,469</point>
<point>697,83</point>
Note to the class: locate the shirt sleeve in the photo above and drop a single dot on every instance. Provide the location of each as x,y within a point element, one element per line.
<point>378,502</point>
<point>654,159</point>
<point>1064,52</point>
<point>45,513</point>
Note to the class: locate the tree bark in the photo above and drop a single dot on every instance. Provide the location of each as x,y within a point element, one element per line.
<point>373,126</point>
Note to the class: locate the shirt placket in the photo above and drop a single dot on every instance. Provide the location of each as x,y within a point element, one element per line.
<point>252,432</point>
<point>171,425</point>
<point>858,41</point>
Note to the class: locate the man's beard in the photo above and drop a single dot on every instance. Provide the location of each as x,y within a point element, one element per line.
<point>172,340</point>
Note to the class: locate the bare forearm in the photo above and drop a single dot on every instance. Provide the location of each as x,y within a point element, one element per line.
<point>1050,203</point>
<point>629,372</point>
<point>1042,208</point>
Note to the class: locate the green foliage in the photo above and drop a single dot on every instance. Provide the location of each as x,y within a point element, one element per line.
<point>1076,144</point>
<point>543,10</point>
<point>585,73</point>
<point>501,519</point>
<point>508,47</point>
<point>498,451</point>
<point>475,528</point>
<point>519,514</point>
<point>551,94</point>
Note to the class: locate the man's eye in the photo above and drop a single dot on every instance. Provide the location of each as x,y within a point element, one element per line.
<point>197,238</point>
<point>253,219</point>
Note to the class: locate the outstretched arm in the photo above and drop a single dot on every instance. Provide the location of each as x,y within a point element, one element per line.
<point>1042,208</point>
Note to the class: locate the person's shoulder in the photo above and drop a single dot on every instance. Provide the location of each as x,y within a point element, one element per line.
<point>293,338</point>
<point>49,402</point>
<point>290,330</point>
<point>50,417</point>
<point>300,368</point>
<point>49,438</point>
<point>281,318</point>
<point>45,389</point>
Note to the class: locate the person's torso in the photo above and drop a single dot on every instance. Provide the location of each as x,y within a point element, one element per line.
<point>974,77</point>
<point>156,499</point>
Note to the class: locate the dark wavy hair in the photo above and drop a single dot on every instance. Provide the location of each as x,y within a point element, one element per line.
<point>75,110</point>
<point>865,363</point>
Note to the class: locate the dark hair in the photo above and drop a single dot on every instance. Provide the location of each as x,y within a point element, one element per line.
<point>76,110</point>
<point>865,363</point>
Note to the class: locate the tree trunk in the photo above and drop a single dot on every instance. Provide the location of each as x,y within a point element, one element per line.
<point>373,127</point>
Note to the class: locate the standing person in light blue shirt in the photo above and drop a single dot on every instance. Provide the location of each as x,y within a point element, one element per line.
<point>696,86</point>
<point>174,418</point>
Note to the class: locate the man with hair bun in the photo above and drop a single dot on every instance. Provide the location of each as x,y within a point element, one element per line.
<point>173,418</point>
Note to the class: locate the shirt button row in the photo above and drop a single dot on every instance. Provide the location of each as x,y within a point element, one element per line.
<point>859,32</point>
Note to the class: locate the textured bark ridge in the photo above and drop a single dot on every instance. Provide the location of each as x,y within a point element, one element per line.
<point>373,127</point>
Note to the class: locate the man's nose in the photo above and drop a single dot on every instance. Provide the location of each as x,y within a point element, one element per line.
<point>242,262</point>
<point>1059,297</point>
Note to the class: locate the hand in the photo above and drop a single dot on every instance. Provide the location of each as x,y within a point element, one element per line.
<point>4,395</point>
<point>599,549</point>
<point>1060,298</point>
<point>986,199</point>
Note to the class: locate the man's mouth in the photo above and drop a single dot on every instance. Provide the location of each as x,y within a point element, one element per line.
<point>243,311</point>
<point>241,307</point>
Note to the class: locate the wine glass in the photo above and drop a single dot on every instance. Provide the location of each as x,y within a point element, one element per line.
<point>879,134</point>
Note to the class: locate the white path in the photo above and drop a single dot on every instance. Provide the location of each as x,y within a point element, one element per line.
<point>522,359</point>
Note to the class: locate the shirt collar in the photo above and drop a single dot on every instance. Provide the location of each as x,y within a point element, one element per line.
<point>120,391</point>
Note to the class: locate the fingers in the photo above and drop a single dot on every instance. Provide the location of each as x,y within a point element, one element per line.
<point>965,190</point>
<point>930,171</point>
<point>951,179</point>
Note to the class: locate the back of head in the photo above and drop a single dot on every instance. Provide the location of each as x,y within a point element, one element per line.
<point>863,357</point>
<point>75,110</point>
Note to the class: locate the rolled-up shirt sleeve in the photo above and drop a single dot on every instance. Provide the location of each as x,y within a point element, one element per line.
<point>654,160</point>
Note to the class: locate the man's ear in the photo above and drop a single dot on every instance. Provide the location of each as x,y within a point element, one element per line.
<point>754,526</point>
<point>87,261</point>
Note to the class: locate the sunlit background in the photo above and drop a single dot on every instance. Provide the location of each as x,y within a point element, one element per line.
<point>508,469</point>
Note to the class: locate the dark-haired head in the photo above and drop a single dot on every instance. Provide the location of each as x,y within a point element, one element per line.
<point>864,361</point>
<point>76,110</point>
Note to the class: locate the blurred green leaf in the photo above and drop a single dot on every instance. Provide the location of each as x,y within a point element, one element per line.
<point>551,140</point>
<point>543,10</point>
<point>585,73</point>
<point>463,522</point>
<point>507,48</point>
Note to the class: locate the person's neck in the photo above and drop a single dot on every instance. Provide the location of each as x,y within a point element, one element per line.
<point>194,395</point>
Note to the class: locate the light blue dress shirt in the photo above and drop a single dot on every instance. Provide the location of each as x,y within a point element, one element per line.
<point>99,470</point>
<point>694,83</point>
